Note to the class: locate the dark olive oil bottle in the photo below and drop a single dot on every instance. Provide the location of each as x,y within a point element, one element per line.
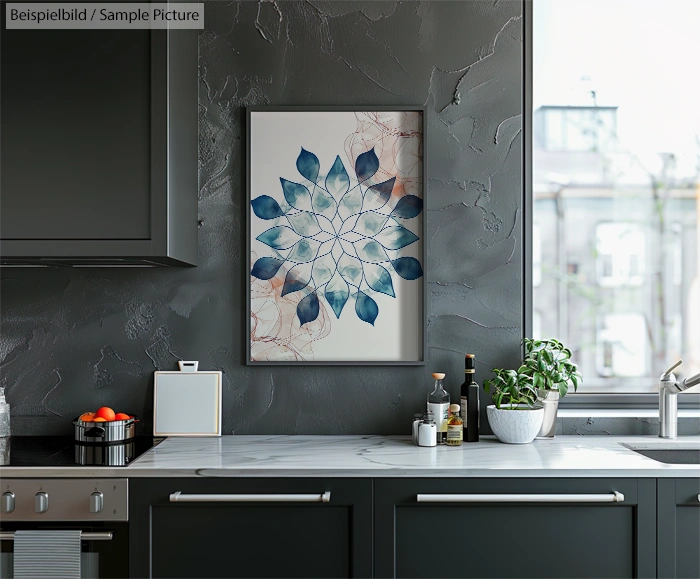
<point>469,400</point>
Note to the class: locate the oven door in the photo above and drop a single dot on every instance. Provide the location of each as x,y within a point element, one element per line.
<point>104,547</point>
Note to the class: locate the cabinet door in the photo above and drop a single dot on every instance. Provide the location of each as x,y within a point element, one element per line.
<point>679,528</point>
<point>216,529</point>
<point>99,146</point>
<point>452,528</point>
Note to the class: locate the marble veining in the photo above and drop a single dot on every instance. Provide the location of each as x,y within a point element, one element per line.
<point>386,456</point>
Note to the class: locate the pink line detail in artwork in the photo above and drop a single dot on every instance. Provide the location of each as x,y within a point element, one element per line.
<point>397,138</point>
<point>275,333</point>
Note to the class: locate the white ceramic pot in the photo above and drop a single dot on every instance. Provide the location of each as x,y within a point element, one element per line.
<point>515,426</point>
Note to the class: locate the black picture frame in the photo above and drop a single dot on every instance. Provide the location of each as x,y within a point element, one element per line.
<point>424,253</point>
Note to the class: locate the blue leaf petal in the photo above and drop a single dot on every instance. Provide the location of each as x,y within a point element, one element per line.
<point>297,278</point>
<point>305,250</point>
<point>351,203</point>
<point>379,279</point>
<point>266,207</point>
<point>337,294</point>
<point>296,195</point>
<point>366,165</point>
<point>279,237</point>
<point>408,267</point>
<point>304,223</point>
<point>370,223</point>
<point>307,309</point>
<point>350,268</point>
<point>396,237</point>
<point>378,195</point>
<point>323,203</point>
<point>366,308</point>
<point>266,267</point>
<point>308,165</point>
<point>370,250</point>
<point>408,206</point>
<point>337,180</point>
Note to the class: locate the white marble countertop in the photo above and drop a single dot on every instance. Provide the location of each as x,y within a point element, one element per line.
<point>386,456</point>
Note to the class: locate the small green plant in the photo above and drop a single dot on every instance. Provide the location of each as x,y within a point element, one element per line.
<point>509,387</point>
<point>548,364</point>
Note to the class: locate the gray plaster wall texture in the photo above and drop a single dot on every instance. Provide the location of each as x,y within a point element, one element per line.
<point>76,339</point>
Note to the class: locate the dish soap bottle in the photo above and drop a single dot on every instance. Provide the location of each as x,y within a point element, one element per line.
<point>439,405</point>
<point>4,415</point>
<point>455,431</point>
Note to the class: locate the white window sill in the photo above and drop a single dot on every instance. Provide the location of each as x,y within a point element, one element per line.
<point>622,413</point>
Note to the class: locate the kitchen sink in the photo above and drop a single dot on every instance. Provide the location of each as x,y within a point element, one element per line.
<point>668,452</point>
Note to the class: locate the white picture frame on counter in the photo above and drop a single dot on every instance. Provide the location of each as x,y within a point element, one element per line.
<point>187,403</point>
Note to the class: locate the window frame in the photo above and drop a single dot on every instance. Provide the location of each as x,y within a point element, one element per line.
<point>612,401</point>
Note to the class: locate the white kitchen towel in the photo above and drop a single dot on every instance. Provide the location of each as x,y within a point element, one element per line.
<point>41,554</point>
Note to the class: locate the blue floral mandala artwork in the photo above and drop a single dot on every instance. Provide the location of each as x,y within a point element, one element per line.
<point>339,237</point>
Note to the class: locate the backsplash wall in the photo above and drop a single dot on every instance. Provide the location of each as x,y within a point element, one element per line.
<point>76,339</point>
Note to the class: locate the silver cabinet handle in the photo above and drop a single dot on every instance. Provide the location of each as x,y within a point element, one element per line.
<point>613,497</point>
<point>105,536</point>
<point>178,497</point>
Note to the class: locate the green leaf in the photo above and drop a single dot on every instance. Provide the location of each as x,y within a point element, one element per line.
<point>574,381</point>
<point>563,389</point>
<point>547,355</point>
<point>538,381</point>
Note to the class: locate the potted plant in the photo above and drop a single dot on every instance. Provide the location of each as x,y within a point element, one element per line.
<point>516,415</point>
<point>549,365</point>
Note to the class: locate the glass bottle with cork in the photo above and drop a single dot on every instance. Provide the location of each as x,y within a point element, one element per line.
<point>439,405</point>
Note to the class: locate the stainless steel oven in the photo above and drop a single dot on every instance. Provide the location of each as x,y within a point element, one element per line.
<point>97,508</point>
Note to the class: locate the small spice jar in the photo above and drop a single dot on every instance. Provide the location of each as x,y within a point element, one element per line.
<point>455,429</point>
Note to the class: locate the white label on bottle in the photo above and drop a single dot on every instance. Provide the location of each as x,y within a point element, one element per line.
<point>454,432</point>
<point>463,412</point>
<point>441,413</point>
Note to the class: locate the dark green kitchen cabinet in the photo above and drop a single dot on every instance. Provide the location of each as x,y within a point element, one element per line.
<point>515,528</point>
<point>245,527</point>
<point>678,528</point>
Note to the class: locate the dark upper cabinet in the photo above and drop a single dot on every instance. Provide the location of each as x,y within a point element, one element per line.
<point>534,530</point>
<point>219,530</point>
<point>98,147</point>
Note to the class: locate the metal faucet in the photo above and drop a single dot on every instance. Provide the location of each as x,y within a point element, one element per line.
<point>669,388</point>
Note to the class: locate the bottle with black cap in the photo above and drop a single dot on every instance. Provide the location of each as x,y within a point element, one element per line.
<point>469,399</point>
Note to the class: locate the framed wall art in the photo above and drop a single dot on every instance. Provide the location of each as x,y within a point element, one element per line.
<point>336,227</point>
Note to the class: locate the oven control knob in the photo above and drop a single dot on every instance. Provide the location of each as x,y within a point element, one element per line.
<point>97,502</point>
<point>8,502</point>
<point>41,502</point>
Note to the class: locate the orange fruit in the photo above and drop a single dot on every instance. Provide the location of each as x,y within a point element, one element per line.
<point>105,412</point>
<point>86,417</point>
<point>99,419</point>
<point>121,416</point>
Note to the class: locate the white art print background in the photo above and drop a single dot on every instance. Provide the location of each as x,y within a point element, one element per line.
<point>276,140</point>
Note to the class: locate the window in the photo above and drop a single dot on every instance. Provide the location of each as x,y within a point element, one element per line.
<point>620,252</point>
<point>616,187</point>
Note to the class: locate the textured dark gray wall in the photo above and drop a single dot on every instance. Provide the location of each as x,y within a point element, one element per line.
<point>76,339</point>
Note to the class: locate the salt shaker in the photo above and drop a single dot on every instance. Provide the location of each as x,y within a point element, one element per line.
<point>427,432</point>
<point>417,420</point>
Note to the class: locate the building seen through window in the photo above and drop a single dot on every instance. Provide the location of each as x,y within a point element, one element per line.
<point>616,188</point>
